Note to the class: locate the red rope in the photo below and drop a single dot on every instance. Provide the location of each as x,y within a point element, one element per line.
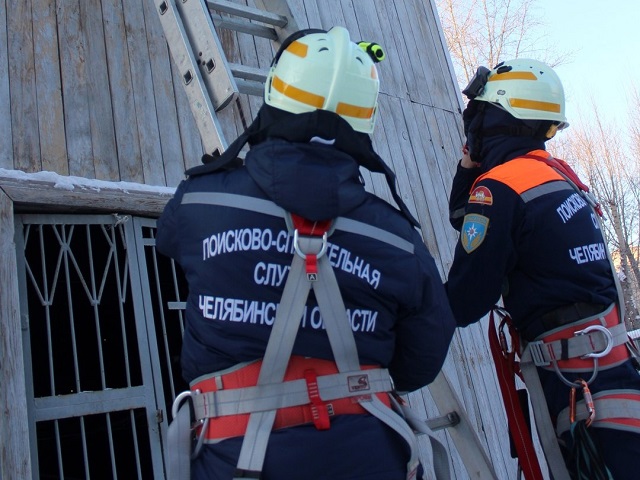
<point>505,366</point>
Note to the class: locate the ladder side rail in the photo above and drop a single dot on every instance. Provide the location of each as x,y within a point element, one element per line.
<point>195,88</point>
<point>206,47</point>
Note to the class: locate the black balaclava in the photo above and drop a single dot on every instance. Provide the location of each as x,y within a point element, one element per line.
<point>494,136</point>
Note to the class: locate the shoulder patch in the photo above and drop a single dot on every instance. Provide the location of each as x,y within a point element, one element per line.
<point>474,229</point>
<point>481,195</point>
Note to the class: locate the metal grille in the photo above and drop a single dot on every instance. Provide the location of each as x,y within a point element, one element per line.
<point>96,377</point>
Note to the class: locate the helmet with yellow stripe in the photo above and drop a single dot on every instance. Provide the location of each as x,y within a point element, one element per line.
<point>327,71</point>
<point>528,89</point>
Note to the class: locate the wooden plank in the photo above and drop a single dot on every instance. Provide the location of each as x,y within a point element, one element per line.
<point>14,425</point>
<point>121,90</point>
<point>143,92</point>
<point>173,161</point>
<point>446,65</point>
<point>421,166</point>
<point>49,87</point>
<point>46,192</point>
<point>330,16</point>
<point>75,91</point>
<point>103,142</point>
<point>24,109</point>
<point>392,118</point>
<point>6,146</point>
<point>406,42</point>
<point>420,20</point>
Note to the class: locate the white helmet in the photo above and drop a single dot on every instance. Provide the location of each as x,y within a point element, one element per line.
<point>527,89</point>
<point>326,71</point>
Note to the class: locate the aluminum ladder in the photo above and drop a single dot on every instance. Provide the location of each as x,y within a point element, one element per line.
<point>212,83</point>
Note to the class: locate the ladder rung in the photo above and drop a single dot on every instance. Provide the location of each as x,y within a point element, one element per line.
<point>438,423</point>
<point>247,12</point>
<point>248,73</point>
<point>244,27</point>
<point>249,87</point>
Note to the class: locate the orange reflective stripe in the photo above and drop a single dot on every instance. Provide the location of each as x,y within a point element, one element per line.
<point>353,111</point>
<point>236,425</point>
<point>535,105</point>
<point>298,48</point>
<point>297,94</point>
<point>513,76</point>
<point>522,174</point>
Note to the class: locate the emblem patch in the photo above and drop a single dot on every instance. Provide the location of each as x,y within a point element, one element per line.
<point>481,195</point>
<point>474,229</point>
<point>358,383</point>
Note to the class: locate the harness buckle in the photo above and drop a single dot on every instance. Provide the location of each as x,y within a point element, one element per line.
<point>608,336</point>
<point>537,353</point>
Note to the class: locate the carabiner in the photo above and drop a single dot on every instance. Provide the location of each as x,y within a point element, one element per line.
<point>176,403</point>
<point>203,424</point>
<point>588,401</point>
<point>572,405</point>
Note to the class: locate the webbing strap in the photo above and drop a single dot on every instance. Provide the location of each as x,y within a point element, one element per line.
<point>279,349</point>
<point>544,353</point>
<point>179,441</point>
<point>439,452</point>
<point>268,207</point>
<point>546,432</point>
<point>274,364</point>
<point>615,409</point>
<point>345,351</point>
<point>237,401</point>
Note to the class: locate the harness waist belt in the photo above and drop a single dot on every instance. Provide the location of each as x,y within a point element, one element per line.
<point>312,391</point>
<point>616,409</point>
<point>574,347</point>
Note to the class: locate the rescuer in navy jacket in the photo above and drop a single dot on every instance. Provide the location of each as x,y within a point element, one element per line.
<point>527,236</point>
<point>307,160</point>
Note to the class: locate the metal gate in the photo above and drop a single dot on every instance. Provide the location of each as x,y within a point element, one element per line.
<point>102,343</point>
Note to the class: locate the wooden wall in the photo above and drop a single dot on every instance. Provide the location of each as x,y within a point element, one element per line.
<point>88,89</point>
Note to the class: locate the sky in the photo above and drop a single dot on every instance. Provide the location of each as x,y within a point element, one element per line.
<point>605,39</point>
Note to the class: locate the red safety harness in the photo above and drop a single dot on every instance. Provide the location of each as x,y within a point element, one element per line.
<point>282,390</point>
<point>318,411</point>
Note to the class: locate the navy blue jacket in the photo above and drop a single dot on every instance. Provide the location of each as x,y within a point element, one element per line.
<point>235,262</point>
<point>539,254</point>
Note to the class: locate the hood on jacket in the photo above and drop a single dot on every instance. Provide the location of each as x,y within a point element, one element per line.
<point>314,180</point>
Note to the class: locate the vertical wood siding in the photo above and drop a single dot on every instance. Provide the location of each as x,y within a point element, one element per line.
<point>88,88</point>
